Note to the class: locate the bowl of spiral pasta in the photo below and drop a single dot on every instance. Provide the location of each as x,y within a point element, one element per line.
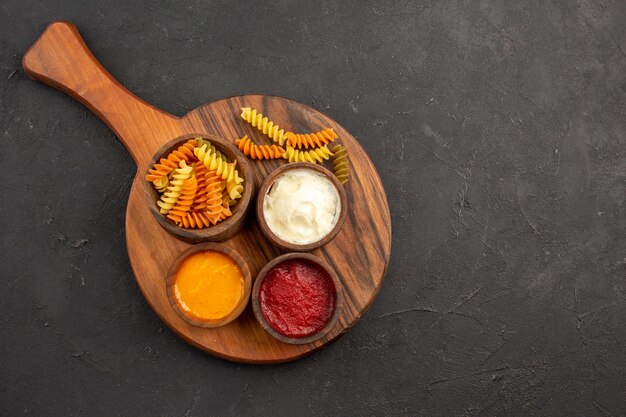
<point>198,188</point>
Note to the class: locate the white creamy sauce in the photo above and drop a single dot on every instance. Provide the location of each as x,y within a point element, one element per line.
<point>302,206</point>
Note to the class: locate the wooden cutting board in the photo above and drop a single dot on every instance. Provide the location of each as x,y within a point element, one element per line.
<point>359,253</point>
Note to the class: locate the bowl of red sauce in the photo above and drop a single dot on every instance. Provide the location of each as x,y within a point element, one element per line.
<point>297,298</point>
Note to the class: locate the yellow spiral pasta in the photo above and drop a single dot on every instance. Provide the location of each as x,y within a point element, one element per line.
<point>211,147</point>
<point>234,189</point>
<point>260,152</point>
<point>185,200</point>
<point>170,197</point>
<point>223,169</point>
<point>341,164</point>
<point>314,155</point>
<point>310,140</point>
<point>266,126</point>
<point>161,183</point>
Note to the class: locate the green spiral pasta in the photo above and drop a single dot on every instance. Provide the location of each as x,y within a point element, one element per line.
<point>340,164</point>
<point>314,155</point>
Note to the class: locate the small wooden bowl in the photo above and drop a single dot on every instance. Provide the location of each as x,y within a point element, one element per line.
<point>267,184</point>
<point>217,247</point>
<point>338,300</point>
<point>226,228</point>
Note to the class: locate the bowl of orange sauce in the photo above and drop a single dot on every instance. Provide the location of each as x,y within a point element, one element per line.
<point>209,285</point>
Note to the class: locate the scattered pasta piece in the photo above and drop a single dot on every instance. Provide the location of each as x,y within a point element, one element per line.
<point>314,156</point>
<point>263,124</point>
<point>311,140</point>
<point>340,164</point>
<point>255,151</point>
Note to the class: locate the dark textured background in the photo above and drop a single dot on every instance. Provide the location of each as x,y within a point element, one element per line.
<point>498,131</point>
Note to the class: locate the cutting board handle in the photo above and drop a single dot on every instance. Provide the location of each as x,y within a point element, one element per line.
<point>61,59</point>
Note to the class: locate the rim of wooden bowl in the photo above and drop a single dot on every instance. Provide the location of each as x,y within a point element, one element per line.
<point>217,247</point>
<point>226,228</point>
<point>338,299</point>
<point>269,182</point>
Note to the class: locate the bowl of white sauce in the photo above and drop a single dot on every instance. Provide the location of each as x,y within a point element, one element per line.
<point>301,206</point>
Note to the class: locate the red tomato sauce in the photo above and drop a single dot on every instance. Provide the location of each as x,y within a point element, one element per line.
<point>297,298</point>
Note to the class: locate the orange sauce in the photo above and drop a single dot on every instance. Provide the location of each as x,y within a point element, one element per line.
<point>208,286</point>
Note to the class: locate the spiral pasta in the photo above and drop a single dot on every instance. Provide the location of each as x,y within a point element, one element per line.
<point>195,220</point>
<point>201,219</point>
<point>170,197</point>
<point>223,169</point>
<point>211,147</point>
<point>161,183</point>
<point>341,164</point>
<point>225,211</point>
<point>199,202</point>
<point>311,140</point>
<point>166,165</point>
<point>314,155</point>
<point>214,187</point>
<point>263,124</point>
<point>234,189</point>
<point>255,151</point>
<point>185,200</point>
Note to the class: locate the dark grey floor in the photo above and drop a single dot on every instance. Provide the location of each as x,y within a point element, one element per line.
<point>498,131</point>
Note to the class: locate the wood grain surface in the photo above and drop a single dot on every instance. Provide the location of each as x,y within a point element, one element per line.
<point>359,253</point>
